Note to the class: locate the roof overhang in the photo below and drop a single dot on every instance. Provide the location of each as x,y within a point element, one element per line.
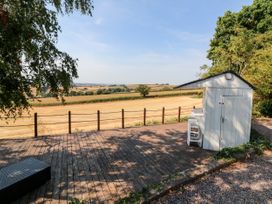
<point>200,83</point>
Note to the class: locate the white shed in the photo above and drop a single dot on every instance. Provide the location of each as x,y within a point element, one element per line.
<point>227,106</point>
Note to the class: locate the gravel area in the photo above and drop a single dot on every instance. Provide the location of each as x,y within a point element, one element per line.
<point>249,182</point>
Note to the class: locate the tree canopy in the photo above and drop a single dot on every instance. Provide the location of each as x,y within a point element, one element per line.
<point>143,90</point>
<point>243,43</point>
<point>29,57</point>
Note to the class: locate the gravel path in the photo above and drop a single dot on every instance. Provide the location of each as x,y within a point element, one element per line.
<point>249,182</point>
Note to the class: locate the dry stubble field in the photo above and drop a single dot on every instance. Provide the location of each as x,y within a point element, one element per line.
<point>110,97</point>
<point>109,110</point>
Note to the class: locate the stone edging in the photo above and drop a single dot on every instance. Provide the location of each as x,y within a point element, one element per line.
<point>186,177</point>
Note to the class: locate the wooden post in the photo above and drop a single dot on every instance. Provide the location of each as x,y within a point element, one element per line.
<point>35,125</point>
<point>144,116</point>
<point>163,113</point>
<point>69,123</point>
<point>123,118</point>
<point>98,120</point>
<point>179,112</point>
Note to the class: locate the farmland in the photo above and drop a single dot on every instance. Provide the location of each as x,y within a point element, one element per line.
<point>132,87</point>
<point>109,97</point>
<point>48,124</point>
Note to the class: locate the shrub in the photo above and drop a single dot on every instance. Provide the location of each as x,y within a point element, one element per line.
<point>143,90</point>
<point>258,143</point>
<point>89,93</point>
<point>99,91</point>
<point>265,107</point>
<point>110,91</point>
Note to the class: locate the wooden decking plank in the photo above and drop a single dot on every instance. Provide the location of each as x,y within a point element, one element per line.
<point>29,152</point>
<point>143,158</point>
<point>41,192</point>
<point>48,159</point>
<point>37,145</point>
<point>53,151</point>
<point>87,182</point>
<point>122,186</point>
<point>81,192</point>
<point>57,173</point>
<point>162,169</point>
<point>101,166</point>
<point>131,153</point>
<point>105,167</point>
<point>108,188</point>
<point>94,161</point>
<point>95,190</point>
<point>47,195</point>
<point>71,186</point>
<point>18,156</point>
<point>115,171</point>
<point>129,177</point>
<point>10,149</point>
<point>63,196</point>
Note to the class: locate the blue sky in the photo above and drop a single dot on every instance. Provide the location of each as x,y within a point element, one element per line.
<point>143,41</point>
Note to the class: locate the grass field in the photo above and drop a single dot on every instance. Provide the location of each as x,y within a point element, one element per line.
<point>109,97</point>
<point>134,106</point>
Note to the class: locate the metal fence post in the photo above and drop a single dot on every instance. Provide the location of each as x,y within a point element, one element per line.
<point>123,118</point>
<point>69,123</point>
<point>98,120</point>
<point>35,125</point>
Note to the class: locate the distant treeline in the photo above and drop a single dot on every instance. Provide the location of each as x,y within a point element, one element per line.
<point>100,91</point>
<point>123,89</point>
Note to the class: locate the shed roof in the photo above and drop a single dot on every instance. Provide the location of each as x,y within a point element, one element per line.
<point>200,82</point>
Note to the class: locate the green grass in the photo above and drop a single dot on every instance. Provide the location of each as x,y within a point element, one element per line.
<point>158,122</point>
<point>76,201</point>
<point>258,143</point>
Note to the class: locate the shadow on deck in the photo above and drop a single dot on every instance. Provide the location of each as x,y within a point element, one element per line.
<point>106,165</point>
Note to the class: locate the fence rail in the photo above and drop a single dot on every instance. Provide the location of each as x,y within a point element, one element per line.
<point>124,116</point>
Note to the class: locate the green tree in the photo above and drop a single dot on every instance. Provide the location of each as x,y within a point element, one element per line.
<point>242,43</point>
<point>143,90</point>
<point>29,57</point>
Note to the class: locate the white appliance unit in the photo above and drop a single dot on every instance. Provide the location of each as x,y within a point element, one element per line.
<point>195,128</point>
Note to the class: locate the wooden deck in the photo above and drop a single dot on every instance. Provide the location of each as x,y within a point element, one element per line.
<point>107,165</point>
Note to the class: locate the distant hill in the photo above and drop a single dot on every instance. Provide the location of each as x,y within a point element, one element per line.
<point>101,84</point>
<point>90,84</point>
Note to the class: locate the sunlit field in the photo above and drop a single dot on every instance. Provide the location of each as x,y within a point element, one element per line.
<point>108,97</point>
<point>54,119</point>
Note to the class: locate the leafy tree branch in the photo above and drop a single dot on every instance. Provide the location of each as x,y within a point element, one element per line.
<point>29,57</point>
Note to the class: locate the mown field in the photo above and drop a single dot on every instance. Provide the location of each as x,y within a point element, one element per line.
<point>110,97</point>
<point>110,115</point>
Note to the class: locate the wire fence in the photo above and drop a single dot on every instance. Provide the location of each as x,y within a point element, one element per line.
<point>98,119</point>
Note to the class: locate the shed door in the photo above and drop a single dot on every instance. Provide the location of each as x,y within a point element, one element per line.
<point>233,121</point>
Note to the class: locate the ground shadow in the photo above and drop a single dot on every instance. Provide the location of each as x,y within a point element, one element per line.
<point>106,165</point>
